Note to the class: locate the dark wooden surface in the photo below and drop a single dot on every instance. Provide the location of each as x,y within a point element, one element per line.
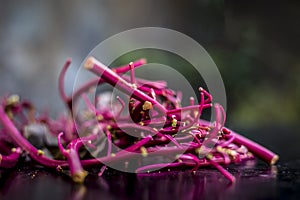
<point>255,180</point>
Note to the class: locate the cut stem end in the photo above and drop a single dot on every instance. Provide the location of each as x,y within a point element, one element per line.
<point>274,160</point>
<point>89,63</point>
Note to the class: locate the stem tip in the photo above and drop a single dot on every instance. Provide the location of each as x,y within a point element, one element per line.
<point>274,160</point>
<point>89,63</point>
<point>79,177</point>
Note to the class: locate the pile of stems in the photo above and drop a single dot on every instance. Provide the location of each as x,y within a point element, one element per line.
<point>152,133</point>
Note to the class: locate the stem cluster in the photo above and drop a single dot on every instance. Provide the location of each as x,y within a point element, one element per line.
<point>154,125</point>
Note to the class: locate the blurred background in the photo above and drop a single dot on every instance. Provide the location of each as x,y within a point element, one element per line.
<point>255,46</point>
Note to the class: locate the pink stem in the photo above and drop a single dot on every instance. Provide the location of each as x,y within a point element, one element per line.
<point>115,80</point>
<point>209,97</point>
<point>10,160</point>
<point>85,87</point>
<point>195,107</point>
<point>126,68</point>
<point>122,106</point>
<point>88,103</point>
<point>260,151</point>
<point>132,77</point>
<point>227,174</point>
<point>78,174</point>
<point>61,80</point>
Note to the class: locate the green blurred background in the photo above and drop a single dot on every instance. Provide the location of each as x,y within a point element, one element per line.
<point>254,44</point>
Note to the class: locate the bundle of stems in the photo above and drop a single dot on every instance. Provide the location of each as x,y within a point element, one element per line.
<point>152,133</point>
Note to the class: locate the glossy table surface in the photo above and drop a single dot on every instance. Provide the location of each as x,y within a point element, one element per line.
<point>253,182</point>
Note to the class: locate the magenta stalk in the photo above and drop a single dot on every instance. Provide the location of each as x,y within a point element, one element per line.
<point>70,99</point>
<point>113,79</point>
<point>258,150</point>
<point>228,175</point>
<point>125,68</point>
<point>61,81</point>
<point>9,161</point>
<point>78,174</point>
<point>13,132</point>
